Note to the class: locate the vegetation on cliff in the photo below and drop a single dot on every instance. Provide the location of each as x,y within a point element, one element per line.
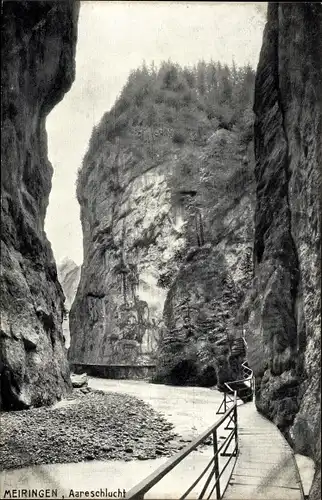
<point>168,171</point>
<point>184,104</point>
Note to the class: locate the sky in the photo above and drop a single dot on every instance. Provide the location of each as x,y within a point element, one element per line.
<point>114,38</point>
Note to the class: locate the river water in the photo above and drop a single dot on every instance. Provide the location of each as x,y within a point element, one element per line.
<point>190,409</point>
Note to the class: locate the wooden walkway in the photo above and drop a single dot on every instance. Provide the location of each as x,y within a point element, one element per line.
<point>266,468</point>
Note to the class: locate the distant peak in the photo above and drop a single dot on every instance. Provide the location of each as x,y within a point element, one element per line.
<point>66,260</point>
<point>66,265</point>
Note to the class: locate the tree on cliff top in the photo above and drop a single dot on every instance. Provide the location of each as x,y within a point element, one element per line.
<point>189,103</point>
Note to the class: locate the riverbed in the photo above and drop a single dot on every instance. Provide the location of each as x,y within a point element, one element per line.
<point>191,410</point>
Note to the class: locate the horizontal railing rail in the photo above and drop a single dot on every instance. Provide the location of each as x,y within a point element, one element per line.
<point>248,377</point>
<point>138,492</point>
<point>212,479</point>
<point>107,365</point>
<point>228,396</point>
<point>115,371</point>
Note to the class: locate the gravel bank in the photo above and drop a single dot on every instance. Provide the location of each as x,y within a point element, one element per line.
<point>92,425</point>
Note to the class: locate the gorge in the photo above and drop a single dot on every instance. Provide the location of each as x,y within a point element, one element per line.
<point>200,222</point>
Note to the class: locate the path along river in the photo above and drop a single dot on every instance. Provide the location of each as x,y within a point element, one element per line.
<point>190,409</point>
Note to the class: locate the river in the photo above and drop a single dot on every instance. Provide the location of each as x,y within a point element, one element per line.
<point>190,409</point>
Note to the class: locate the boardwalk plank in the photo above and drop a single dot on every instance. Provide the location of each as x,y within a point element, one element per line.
<point>265,467</point>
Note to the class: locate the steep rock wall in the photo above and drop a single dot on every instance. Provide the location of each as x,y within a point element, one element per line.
<point>38,50</point>
<point>130,230</point>
<point>141,217</point>
<point>284,322</point>
<point>69,276</point>
<point>211,281</point>
<point>199,316</point>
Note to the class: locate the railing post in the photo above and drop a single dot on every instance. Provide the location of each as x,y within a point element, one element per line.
<point>216,463</point>
<point>225,404</point>
<point>236,428</point>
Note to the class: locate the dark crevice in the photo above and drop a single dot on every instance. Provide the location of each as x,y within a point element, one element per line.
<point>96,295</point>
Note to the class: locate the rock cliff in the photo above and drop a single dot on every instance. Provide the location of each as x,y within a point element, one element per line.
<point>199,310</point>
<point>38,49</point>
<point>212,278</point>
<point>284,318</point>
<point>168,174</point>
<point>69,276</point>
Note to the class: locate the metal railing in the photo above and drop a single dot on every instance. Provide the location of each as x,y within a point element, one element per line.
<point>212,479</point>
<point>114,371</point>
<point>229,397</point>
<point>107,365</point>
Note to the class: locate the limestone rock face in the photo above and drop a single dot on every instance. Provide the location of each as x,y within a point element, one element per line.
<point>142,219</point>
<point>199,314</point>
<point>69,276</point>
<point>130,231</point>
<point>284,319</point>
<point>38,49</point>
